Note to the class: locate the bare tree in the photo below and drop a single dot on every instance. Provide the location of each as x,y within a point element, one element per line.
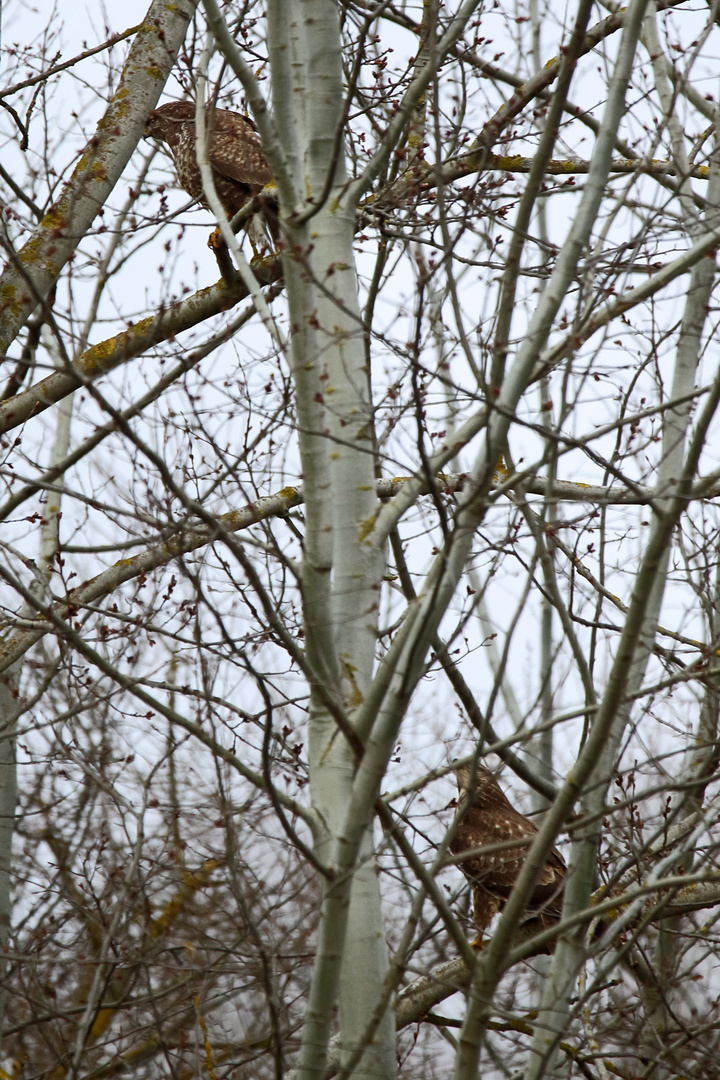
<point>433,477</point>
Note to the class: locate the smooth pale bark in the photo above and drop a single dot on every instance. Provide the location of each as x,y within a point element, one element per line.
<point>186,314</point>
<point>345,540</point>
<point>341,574</point>
<point>277,505</point>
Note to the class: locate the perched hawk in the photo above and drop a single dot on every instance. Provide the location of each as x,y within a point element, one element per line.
<point>489,819</point>
<point>238,164</point>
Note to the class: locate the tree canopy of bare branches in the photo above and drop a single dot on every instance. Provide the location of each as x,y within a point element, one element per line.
<point>291,530</point>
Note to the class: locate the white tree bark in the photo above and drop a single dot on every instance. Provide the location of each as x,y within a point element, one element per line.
<point>341,572</point>
<point>356,705</point>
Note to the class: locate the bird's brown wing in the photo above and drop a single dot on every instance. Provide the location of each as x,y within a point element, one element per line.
<point>554,869</point>
<point>492,873</point>
<point>236,152</point>
<point>496,870</point>
<point>492,822</point>
<point>547,897</point>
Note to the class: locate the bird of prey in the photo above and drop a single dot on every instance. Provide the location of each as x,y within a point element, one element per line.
<point>235,152</point>
<point>490,821</point>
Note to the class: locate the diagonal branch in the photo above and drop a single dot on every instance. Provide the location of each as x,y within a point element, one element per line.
<point>29,277</point>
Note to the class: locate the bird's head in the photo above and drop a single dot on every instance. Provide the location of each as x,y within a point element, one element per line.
<point>167,122</point>
<point>484,788</point>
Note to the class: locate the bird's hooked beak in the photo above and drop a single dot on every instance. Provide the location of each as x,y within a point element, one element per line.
<point>150,124</point>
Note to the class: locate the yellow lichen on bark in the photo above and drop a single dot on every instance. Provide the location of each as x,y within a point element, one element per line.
<point>9,299</point>
<point>367,528</point>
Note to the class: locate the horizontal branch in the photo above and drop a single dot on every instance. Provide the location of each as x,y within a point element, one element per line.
<point>102,358</point>
<point>190,539</point>
<point>446,979</point>
<point>516,163</point>
<point>416,1001</point>
<point>31,273</point>
<point>185,314</point>
<point>266,508</point>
